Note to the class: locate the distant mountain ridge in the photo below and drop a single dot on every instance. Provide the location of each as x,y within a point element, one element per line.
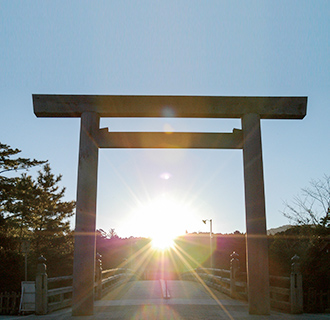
<point>273,231</point>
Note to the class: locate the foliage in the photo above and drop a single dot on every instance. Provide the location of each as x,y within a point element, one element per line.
<point>108,235</point>
<point>311,244</point>
<point>33,210</point>
<point>312,207</point>
<point>196,248</point>
<point>11,270</point>
<point>116,251</point>
<point>309,239</point>
<point>7,163</point>
<point>190,251</point>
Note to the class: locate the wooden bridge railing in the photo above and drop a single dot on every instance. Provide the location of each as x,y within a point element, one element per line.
<point>286,293</point>
<point>58,298</point>
<point>48,300</point>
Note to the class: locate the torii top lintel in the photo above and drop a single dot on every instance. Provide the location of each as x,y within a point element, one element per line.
<point>169,106</point>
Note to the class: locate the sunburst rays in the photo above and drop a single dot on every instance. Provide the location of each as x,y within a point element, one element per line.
<point>170,261</point>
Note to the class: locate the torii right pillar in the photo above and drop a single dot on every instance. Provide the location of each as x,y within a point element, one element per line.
<point>256,232</point>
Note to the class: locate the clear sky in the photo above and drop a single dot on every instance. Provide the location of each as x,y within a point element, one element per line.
<point>221,48</point>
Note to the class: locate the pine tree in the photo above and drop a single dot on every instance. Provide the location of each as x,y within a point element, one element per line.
<point>49,222</point>
<point>7,163</point>
<point>12,227</point>
<point>33,210</point>
<point>10,162</point>
<point>40,215</point>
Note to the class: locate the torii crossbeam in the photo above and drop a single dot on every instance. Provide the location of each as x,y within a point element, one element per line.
<point>249,109</point>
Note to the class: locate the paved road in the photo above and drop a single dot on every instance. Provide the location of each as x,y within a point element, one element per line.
<point>188,301</point>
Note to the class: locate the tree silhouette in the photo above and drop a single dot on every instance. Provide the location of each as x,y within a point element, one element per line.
<point>312,206</point>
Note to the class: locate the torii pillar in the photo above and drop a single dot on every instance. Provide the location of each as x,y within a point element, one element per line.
<point>249,109</point>
<point>256,231</point>
<point>84,240</point>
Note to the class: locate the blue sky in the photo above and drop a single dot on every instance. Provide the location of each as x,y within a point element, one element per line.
<point>221,48</point>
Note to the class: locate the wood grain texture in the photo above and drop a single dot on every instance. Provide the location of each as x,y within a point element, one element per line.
<point>169,106</point>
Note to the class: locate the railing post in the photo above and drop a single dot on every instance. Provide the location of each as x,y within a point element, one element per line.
<point>234,269</point>
<point>41,287</point>
<point>296,290</point>
<point>98,276</point>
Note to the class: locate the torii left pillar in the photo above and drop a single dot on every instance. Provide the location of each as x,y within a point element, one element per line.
<point>84,236</point>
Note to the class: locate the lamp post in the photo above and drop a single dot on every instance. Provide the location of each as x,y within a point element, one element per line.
<point>211,251</point>
<point>25,247</point>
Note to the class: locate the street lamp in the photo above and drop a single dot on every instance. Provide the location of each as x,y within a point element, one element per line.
<point>211,251</point>
<point>25,247</point>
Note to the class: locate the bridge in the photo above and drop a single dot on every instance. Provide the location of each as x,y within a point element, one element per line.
<point>172,299</point>
<point>201,293</point>
<point>161,299</point>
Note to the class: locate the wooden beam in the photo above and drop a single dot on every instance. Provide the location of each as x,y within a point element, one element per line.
<point>84,235</point>
<point>169,106</point>
<point>255,211</point>
<point>172,140</point>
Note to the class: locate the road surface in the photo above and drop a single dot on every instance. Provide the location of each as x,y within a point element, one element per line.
<point>184,300</point>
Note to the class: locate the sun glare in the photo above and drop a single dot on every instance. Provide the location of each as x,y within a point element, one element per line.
<point>162,220</point>
<point>162,243</point>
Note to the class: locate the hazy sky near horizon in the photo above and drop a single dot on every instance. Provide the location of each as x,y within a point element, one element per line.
<point>220,48</point>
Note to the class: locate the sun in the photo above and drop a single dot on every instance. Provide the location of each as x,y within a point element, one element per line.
<point>162,242</point>
<point>162,220</point>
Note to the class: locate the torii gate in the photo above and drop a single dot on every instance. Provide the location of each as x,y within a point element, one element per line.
<point>91,107</point>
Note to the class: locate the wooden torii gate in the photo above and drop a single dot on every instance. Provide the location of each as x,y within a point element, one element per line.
<point>249,109</point>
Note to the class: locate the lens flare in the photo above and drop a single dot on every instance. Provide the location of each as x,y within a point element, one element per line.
<point>162,220</point>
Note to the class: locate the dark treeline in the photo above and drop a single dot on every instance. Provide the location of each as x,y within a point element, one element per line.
<point>192,250</point>
<point>312,244</point>
<point>189,251</point>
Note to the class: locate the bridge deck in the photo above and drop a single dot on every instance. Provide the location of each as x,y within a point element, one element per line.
<point>150,293</point>
<point>189,300</point>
